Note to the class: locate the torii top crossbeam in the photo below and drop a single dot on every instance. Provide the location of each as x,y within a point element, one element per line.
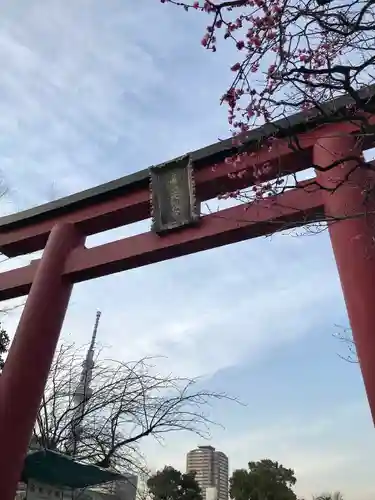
<point>127,200</point>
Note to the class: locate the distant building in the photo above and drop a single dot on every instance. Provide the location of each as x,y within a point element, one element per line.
<point>212,471</point>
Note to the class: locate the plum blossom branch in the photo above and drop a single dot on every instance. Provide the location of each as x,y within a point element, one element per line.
<point>292,56</point>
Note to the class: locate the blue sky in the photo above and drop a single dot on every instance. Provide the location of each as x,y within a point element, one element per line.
<point>93,90</point>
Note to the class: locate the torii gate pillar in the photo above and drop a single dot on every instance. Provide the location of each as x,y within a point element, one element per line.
<point>352,236</point>
<point>30,356</point>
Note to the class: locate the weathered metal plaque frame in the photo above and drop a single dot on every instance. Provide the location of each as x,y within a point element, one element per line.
<point>173,200</point>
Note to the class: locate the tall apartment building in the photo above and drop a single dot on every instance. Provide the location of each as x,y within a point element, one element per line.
<point>212,471</point>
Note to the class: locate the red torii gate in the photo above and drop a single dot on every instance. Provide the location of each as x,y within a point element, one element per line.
<point>60,228</point>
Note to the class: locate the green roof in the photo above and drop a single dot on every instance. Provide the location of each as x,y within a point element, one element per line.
<point>60,470</point>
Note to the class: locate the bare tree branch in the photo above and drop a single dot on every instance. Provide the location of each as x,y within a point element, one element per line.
<point>346,338</point>
<point>129,402</point>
